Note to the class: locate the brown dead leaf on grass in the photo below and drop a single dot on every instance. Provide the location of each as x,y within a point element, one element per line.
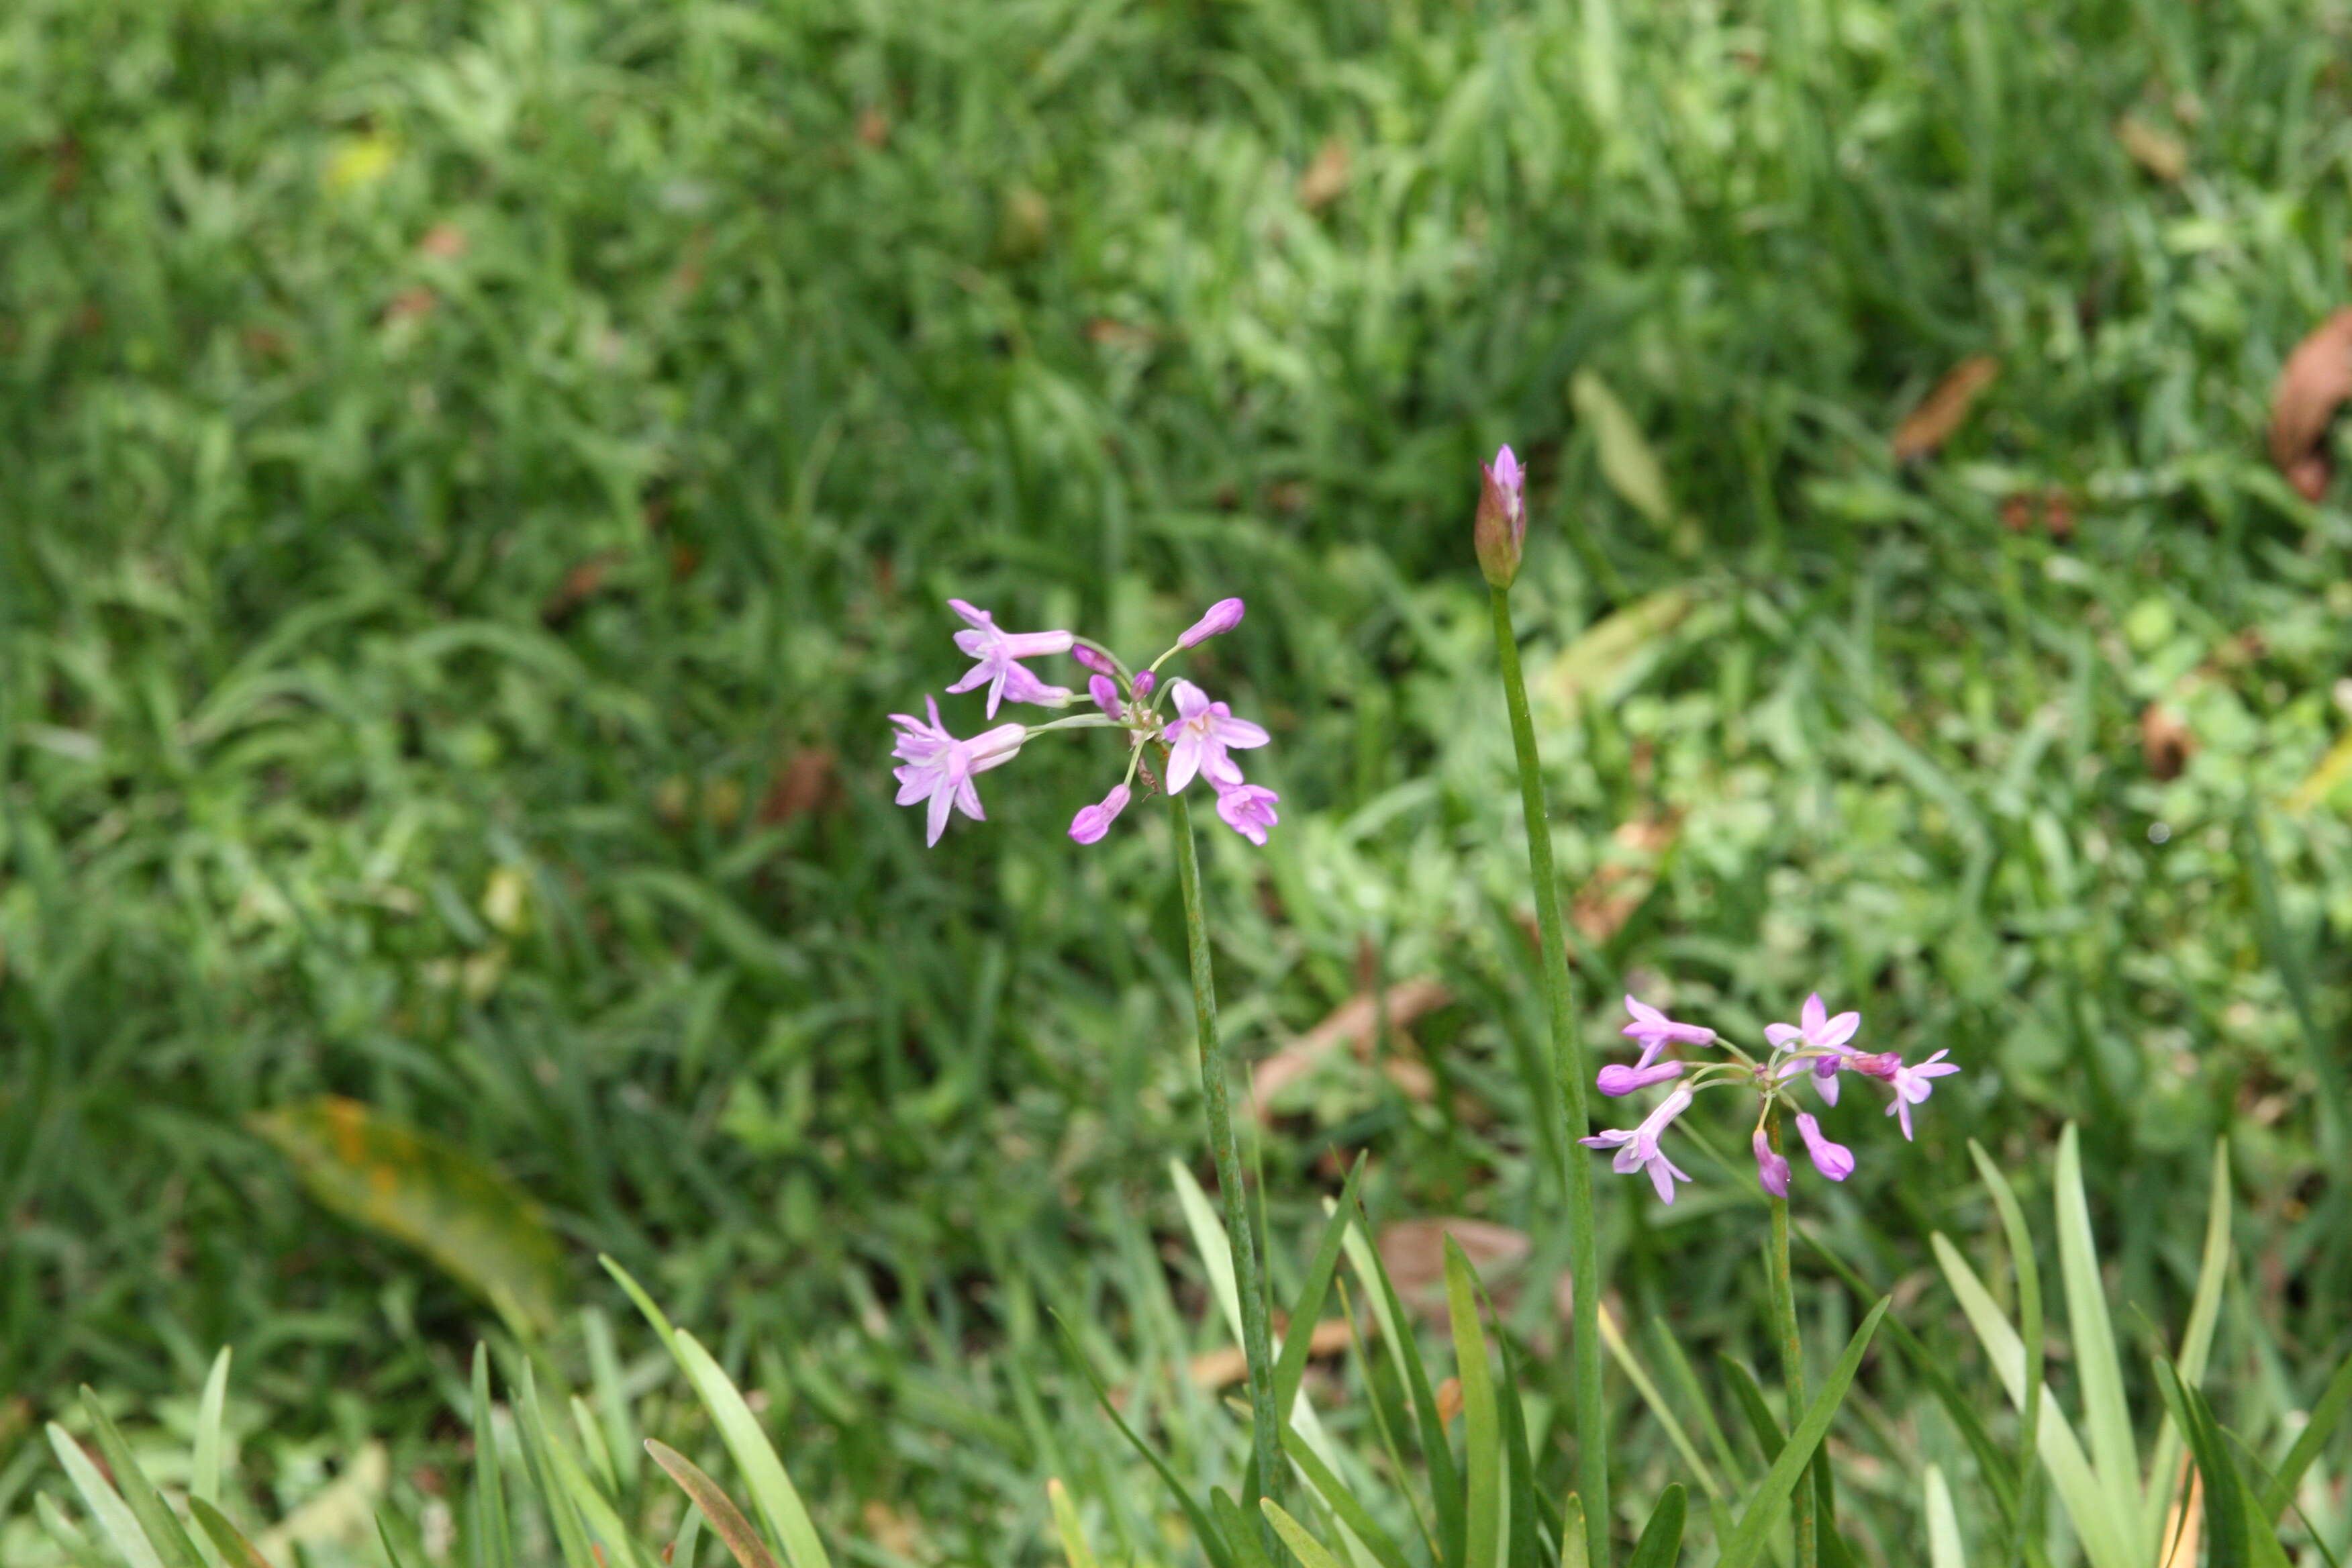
<point>2313,384</point>
<point>2156,151</point>
<point>1609,897</point>
<point>580,585</point>
<point>1413,1252</point>
<point>803,784</point>
<point>1325,179</point>
<point>2165,741</point>
<point>1355,1024</point>
<point>1226,1365</point>
<point>444,242</point>
<point>1931,424</point>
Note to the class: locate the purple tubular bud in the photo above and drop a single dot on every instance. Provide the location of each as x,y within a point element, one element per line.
<point>1772,1171</point>
<point>1617,1079</point>
<point>1092,661</point>
<point>1093,821</point>
<point>1222,616</point>
<point>1834,1160</point>
<point>1105,691</point>
<point>1145,682</point>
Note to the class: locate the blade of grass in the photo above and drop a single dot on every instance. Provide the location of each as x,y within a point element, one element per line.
<point>1660,1410</point>
<point>1482,1446</point>
<point>2029,1312</point>
<point>2105,1535</point>
<point>2325,1417</point>
<point>1290,1366</point>
<point>1574,1551</point>
<point>1749,1537</point>
<point>491,1542</point>
<point>2195,1339</point>
<point>2226,1544</point>
<point>1661,1539</point>
<point>1436,1451</point>
<point>2114,1457</point>
<point>1944,1546</point>
<point>79,1550</point>
<point>1205,1528</point>
<point>156,1520</point>
<point>1686,1382</point>
<point>227,1538</point>
<point>712,1502</point>
<point>391,1552</point>
<point>203,1480</point>
<point>1067,1525</point>
<point>1343,1502</point>
<point>1295,1535</point>
<point>115,1520</point>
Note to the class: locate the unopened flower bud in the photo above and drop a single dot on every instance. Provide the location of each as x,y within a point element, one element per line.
<point>1222,616</point>
<point>1093,659</point>
<point>1144,682</point>
<point>1105,691</point>
<point>1501,528</point>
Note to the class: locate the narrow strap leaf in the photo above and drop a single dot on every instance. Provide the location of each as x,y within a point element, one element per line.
<point>1661,1538</point>
<point>716,1507</point>
<point>1748,1537</point>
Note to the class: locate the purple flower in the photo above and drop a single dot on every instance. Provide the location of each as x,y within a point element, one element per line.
<point>1248,810</point>
<point>1093,659</point>
<point>1834,1160</point>
<point>999,654</point>
<point>1105,691</point>
<point>1655,1030</point>
<point>1093,821</point>
<point>1639,1149</point>
<point>1222,616</point>
<point>1771,1169</point>
<point>1616,1079</point>
<point>1500,528</point>
<point>1816,1030</point>
<point>940,768</point>
<point>1913,1086</point>
<point>1199,736</point>
<point>1144,681</point>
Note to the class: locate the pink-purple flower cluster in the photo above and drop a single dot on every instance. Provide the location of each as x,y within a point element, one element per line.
<point>1197,741</point>
<point>1816,1047</point>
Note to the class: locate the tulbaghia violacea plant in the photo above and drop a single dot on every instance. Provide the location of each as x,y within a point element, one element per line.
<point>1191,736</point>
<point>1816,1049</point>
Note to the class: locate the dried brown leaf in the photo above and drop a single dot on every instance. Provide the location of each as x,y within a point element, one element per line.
<point>1931,424</point>
<point>2313,384</point>
<point>444,241</point>
<point>873,127</point>
<point>1226,1365</point>
<point>1325,179</point>
<point>2165,741</point>
<point>1413,1252</point>
<point>580,585</point>
<point>802,784</point>
<point>1449,1401</point>
<point>1354,1023</point>
<point>2154,148</point>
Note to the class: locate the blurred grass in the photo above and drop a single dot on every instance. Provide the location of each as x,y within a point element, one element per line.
<point>475,477</point>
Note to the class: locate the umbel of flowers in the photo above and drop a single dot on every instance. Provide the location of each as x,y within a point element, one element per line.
<point>1814,1049</point>
<point>1199,737</point>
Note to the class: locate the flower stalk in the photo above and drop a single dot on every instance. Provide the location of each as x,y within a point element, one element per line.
<point>1568,1066</point>
<point>1240,1235</point>
<point>1792,1353</point>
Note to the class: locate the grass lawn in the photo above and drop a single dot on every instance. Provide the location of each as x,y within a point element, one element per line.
<point>475,478</point>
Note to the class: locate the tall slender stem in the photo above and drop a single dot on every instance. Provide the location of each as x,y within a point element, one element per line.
<point>1256,1341</point>
<point>1792,1357</point>
<point>1568,1065</point>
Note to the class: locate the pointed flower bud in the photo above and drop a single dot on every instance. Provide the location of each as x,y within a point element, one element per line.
<point>1222,616</point>
<point>1093,821</point>
<point>1501,527</point>
<point>1092,659</point>
<point>1105,691</point>
<point>1771,1169</point>
<point>1144,681</point>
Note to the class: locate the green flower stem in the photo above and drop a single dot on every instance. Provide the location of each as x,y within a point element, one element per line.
<point>1568,1064</point>
<point>1265,1431</point>
<point>1792,1356</point>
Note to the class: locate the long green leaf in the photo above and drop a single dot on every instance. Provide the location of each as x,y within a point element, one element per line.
<point>1206,1529</point>
<point>2196,1341</point>
<point>1574,1551</point>
<point>79,1550</point>
<point>1343,1502</point>
<point>604,1522</point>
<point>1944,1546</point>
<point>1290,1367</point>
<point>713,1503</point>
<point>1750,1397</point>
<point>212,1411</point>
<point>1661,1538</point>
<point>562,1514</point>
<point>1249,1549</point>
<point>2029,1316</point>
<point>1660,1411</point>
<point>1295,1535</point>
<point>120,1525</point>
<point>491,1542</point>
<point>2114,1457</point>
<point>2105,1534</point>
<point>2325,1415</point>
<point>227,1538</point>
<point>1437,1452</point>
<point>1748,1537</point>
<point>1076,1552</point>
<point>156,1520</point>
<point>383,1538</point>
<point>1482,1453</point>
<point>2225,1512</point>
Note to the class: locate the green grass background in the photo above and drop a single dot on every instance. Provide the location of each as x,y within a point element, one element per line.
<point>455,458</point>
